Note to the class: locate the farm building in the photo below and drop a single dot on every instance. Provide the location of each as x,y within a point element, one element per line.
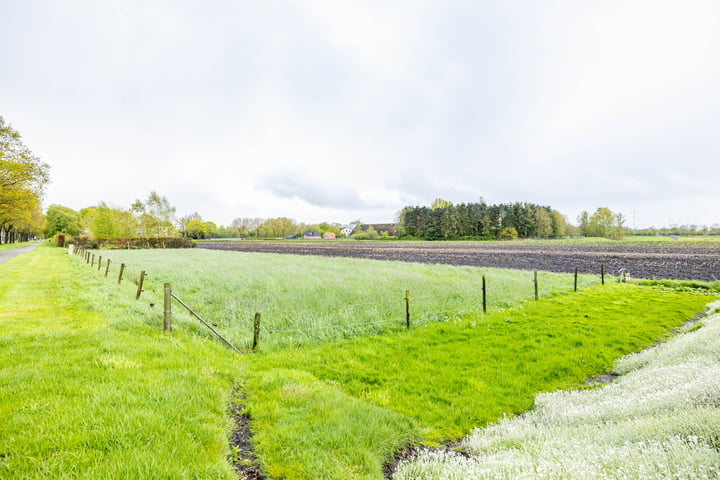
<point>348,230</point>
<point>312,235</point>
<point>329,235</point>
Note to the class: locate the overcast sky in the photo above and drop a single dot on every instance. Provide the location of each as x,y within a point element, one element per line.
<point>338,110</point>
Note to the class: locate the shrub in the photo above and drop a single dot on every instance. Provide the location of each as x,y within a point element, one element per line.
<point>60,239</point>
<point>508,233</point>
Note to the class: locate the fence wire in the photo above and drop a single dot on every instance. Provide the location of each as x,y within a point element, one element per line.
<point>326,321</point>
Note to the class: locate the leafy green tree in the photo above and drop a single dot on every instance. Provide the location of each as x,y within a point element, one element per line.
<point>183,221</point>
<point>440,203</point>
<point>602,223</point>
<point>156,216</point>
<point>558,224</point>
<point>196,229</point>
<point>211,229</point>
<point>23,177</point>
<point>544,222</point>
<point>583,221</point>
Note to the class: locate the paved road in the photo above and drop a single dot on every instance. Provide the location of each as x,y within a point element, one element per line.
<point>6,255</point>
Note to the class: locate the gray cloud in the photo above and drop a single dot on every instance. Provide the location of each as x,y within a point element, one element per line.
<point>339,196</point>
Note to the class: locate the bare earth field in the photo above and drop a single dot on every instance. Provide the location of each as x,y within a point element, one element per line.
<point>677,261</point>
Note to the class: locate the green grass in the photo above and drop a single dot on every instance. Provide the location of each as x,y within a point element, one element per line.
<point>8,246</point>
<point>93,389</point>
<point>307,300</point>
<point>453,376</point>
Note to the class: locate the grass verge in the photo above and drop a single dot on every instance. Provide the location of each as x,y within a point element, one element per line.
<point>8,246</point>
<point>88,391</point>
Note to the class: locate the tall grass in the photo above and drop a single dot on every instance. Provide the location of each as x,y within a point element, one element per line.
<point>305,300</point>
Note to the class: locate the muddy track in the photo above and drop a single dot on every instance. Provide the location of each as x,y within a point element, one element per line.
<point>677,261</point>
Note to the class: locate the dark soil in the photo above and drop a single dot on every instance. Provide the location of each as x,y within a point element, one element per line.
<point>243,457</point>
<point>652,260</point>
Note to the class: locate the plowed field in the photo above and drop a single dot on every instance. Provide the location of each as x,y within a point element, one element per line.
<point>678,261</point>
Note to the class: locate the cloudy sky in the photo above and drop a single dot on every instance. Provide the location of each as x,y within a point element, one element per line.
<point>337,110</point>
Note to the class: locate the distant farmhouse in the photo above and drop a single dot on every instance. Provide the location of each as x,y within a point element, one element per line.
<point>390,228</point>
<point>312,235</point>
<point>348,229</point>
<point>329,235</point>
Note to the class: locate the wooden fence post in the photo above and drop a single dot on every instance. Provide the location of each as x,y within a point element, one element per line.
<point>602,273</point>
<point>140,284</point>
<point>122,269</point>
<point>92,262</point>
<point>167,313</point>
<point>484,292</point>
<point>256,332</point>
<point>407,308</point>
<point>536,286</point>
<point>576,279</point>
<point>107,267</point>
<point>99,262</point>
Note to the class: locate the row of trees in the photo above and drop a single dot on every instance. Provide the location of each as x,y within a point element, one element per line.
<point>445,221</point>
<point>23,178</point>
<point>152,218</point>
<point>277,228</point>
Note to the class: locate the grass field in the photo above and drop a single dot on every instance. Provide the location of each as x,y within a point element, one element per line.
<point>93,389</point>
<point>304,300</point>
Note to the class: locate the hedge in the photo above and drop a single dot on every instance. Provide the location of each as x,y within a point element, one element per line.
<point>84,241</point>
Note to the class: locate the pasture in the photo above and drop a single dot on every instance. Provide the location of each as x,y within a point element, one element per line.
<point>93,388</point>
<point>305,300</point>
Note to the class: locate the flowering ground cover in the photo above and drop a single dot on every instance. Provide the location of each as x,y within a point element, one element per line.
<point>660,419</point>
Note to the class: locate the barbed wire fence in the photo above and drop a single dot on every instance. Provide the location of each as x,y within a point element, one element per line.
<point>336,321</point>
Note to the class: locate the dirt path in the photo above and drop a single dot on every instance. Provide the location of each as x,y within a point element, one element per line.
<point>6,255</point>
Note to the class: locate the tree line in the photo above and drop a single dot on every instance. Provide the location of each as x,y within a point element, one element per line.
<point>23,178</point>
<point>153,217</point>
<point>445,221</point>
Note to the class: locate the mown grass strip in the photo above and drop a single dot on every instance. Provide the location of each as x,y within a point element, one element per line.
<point>90,390</point>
